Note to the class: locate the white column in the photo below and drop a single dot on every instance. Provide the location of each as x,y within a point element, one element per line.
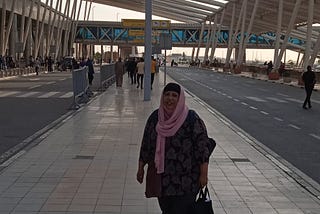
<point>277,45</point>
<point>309,34</point>
<point>10,22</point>
<point>216,40</point>
<point>200,39</point>
<point>209,37</point>
<point>41,29</point>
<point>229,50</point>
<point>316,49</point>
<point>213,33</point>
<point>289,29</point>
<point>52,26</point>
<point>239,60</point>
<point>3,26</point>
<point>253,14</point>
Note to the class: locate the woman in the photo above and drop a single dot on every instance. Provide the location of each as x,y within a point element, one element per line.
<point>175,143</point>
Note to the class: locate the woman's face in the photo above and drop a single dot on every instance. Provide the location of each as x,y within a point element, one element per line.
<point>170,101</point>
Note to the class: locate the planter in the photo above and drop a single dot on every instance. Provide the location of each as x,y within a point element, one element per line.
<point>237,70</point>
<point>273,76</point>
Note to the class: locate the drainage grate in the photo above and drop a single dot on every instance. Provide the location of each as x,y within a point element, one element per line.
<point>240,159</point>
<point>85,157</point>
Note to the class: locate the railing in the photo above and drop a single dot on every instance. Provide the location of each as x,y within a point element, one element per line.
<point>107,75</point>
<point>80,86</point>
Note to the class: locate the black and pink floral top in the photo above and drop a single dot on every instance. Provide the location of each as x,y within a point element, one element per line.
<point>184,152</point>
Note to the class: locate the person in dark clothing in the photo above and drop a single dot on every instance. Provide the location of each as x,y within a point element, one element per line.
<point>50,63</point>
<point>131,68</point>
<point>175,148</point>
<point>309,79</point>
<point>89,63</point>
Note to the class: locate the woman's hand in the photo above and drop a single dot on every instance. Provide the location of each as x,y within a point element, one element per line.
<point>203,180</point>
<point>140,175</point>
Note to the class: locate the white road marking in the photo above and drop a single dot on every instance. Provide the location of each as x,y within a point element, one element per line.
<point>254,108</point>
<point>49,94</point>
<point>284,95</point>
<point>263,112</point>
<point>67,95</point>
<point>36,86</point>
<point>5,94</point>
<point>236,100</point>
<point>256,99</point>
<point>294,100</point>
<point>278,119</point>
<point>229,97</point>
<point>29,94</point>
<point>243,103</point>
<point>294,126</point>
<point>276,99</point>
<point>315,136</point>
<point>48,83</point>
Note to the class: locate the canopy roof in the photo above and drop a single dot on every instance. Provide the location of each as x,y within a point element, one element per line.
<point>198,11</point>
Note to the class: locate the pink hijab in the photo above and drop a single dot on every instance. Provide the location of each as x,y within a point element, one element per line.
<point>167,126</point>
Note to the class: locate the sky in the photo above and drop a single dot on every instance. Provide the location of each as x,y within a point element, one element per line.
<point>100,12</point>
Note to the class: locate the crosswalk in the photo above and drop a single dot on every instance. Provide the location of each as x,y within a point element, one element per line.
<point>280,100</point>
<point>36,94</point>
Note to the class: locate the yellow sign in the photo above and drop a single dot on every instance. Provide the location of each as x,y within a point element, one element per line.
<point>136,32</point>
<point>141,23</point>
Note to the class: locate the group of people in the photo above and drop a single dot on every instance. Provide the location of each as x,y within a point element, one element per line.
<point>136,70</point>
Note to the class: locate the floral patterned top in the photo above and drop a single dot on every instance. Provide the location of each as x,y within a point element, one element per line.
<point>184,153</point>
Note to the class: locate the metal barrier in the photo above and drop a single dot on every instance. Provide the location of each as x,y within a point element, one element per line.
<point>80,86</point>
<point>107,75</point>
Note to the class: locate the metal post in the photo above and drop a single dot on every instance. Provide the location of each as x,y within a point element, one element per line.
<point>280,13</point>
<point>147,50</point>
<point>309,34</point>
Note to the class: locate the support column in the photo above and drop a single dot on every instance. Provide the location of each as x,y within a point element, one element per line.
<point>316,49</point>
<point>3,26</point>
<point>309,34</point>
<point>213,33</point>
<point>200,39</point>
<point>290,26</point>
<point>216,40</point>
<point>229,50</point>
<point>147,50</point>
<point>239,60</point>
<point>13,37</point>
<point>192,54</point>
<point>209,37</point>
<point>276,49</point>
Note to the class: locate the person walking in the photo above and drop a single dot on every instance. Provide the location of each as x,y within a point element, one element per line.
<point>140,73</point>
<point>131,67</point>
<point>153,69</point>
<point>119,69</point>
<point>175,147</point>
<point>89,63</point>
<point>309,79</point>
<point>37,65</point>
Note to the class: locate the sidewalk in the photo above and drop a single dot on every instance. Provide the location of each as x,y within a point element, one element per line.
<point>88,163</point>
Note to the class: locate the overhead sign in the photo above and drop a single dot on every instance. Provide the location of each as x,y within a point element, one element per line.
<point>136,33</point>
<point>140,23</point>
<point>165,41</point>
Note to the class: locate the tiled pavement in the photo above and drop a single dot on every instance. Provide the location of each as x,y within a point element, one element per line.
<point>88,164</point>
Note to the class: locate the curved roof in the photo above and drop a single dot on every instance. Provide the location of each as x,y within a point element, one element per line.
<point>190,11</point>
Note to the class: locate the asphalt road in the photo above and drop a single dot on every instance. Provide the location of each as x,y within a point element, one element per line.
<point>271,113</point>
<point>29,104</point>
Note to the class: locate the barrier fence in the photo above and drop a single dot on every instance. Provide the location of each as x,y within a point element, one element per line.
<point>80,86</point>
<point>107,75</point>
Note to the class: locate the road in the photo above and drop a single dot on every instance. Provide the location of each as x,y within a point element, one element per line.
<point>30,105</point>
<point>271,113</point>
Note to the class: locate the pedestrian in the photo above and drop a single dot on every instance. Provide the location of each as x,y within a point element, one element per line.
<point>37,65</point>
<point>175,147</point>
<point>131,67</point>
<point>50,63</point>
<point>269,67</point>
<point>140,73</point>
<point>119,70</point>
<point>89,63</point>
<point>153,69</point>
<point>309,79</point>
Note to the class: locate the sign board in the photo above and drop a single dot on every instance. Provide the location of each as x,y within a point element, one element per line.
<point>136,33</point>
<point>156,49</point>
<point>19,47</point>
<point>165,41</point>
<point>140,23</point>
